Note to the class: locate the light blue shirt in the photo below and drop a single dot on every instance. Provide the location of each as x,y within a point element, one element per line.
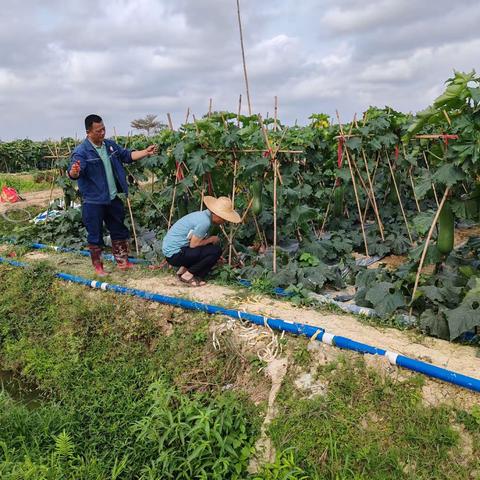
<point>179,235</point>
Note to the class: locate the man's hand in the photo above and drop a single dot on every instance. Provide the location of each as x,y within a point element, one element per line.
<point>75,170</point>
<point>147,152</point>
<point>151,150</point>
<point>214,239</point>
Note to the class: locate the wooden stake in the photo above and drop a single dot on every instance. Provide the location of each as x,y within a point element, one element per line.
<point>233,204</point>
<point>273,156</point>
<point>373,199</point>
<point>170,123</point>
<point>275,115</point>
<point>413,189</point>
<point>399,198</point>
<point>187,115</point>
<point>209,108</point>
<point>429,236</point>
<point>133,227</point>
<point>243,58</point>
<point>433,186</point>
<point>239,109</point>
<point>354,189</point>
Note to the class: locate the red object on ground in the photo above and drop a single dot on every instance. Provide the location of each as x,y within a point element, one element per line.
<point>9,194</point>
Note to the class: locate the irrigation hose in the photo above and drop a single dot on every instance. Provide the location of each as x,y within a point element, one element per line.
<point>278,324</point>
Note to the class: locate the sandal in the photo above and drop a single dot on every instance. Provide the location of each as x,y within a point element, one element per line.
<point>180,272</point>
<point>193,282</point>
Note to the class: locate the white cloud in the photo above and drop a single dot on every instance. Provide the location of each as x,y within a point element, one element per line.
<point>63,59</point>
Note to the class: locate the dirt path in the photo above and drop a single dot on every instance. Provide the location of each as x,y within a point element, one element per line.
<point>32,198</point>
<point>460,358</point>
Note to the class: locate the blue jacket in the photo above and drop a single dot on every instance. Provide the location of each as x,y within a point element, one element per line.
<point>92,181</point>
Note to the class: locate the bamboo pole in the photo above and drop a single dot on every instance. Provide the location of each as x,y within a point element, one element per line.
<point>177,169</point>
<point>373,199</point>
<point>170,123</point>
<point>413,189</point>
<point>427,241</point>
<point>239,109</point>
<point>354,189</point>
<point>233,205</point>
<point>133,227</point>
<point>374,176</point>
<point>411,180</point>
<point>273,157</point>
<point>243,58</point>
<point>333,190</point>
<point>399,198</point>
<point>433,186</point>
<point>129,205</point>
<point>275,114</point>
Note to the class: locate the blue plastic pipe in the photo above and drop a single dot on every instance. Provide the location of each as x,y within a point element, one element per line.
<point>278,324</point>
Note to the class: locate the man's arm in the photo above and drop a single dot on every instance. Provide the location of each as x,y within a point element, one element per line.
<point>198,242</point>
<point>147,152</point>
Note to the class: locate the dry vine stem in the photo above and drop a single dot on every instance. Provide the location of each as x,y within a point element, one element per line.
<point>354,189</point>
<point>429,236</point>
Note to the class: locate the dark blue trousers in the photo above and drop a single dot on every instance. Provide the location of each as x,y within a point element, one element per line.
<point>199,260</point>
<point>113,215</point>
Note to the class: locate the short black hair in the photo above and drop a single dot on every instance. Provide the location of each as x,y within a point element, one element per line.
<point>90,119</point>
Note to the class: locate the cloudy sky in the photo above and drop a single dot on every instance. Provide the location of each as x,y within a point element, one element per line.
<point>63,59</point>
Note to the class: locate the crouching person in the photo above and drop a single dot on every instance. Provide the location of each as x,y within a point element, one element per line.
<point>187,244</point>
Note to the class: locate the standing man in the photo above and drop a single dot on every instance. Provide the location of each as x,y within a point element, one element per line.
<point>97,164</point>
<point>187,244</point>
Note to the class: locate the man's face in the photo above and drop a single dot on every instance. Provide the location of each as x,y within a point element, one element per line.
<point>96,133</point>
<point>217,220</point>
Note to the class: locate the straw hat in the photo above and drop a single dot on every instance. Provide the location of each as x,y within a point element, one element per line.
<point>222,206</point>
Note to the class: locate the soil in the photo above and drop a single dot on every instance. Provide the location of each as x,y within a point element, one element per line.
<point>31,199</point>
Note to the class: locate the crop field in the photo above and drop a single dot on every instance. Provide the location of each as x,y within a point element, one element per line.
<point>380,213</point>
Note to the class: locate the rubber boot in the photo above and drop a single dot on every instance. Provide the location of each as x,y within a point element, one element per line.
<point>120,253</point>
<point>96,256</point>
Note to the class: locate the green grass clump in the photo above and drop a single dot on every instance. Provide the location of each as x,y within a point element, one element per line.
<point>27,182</point>
<point>370,426</point>
<point>121,398</point>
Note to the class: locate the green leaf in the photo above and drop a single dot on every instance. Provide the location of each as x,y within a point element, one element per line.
<point>423,221</point>
<point>448,174</point>
<point>385,298</point>
<point>434,324</point>
<point>463,318</point>
<point>432,293</point>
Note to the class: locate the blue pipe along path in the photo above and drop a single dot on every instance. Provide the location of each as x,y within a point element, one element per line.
<point>309,331</point>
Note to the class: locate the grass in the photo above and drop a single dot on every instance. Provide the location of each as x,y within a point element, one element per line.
<point>116,376</point>
<point>133,389</point>
<point>370,426</point>
<point>27,182</point>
